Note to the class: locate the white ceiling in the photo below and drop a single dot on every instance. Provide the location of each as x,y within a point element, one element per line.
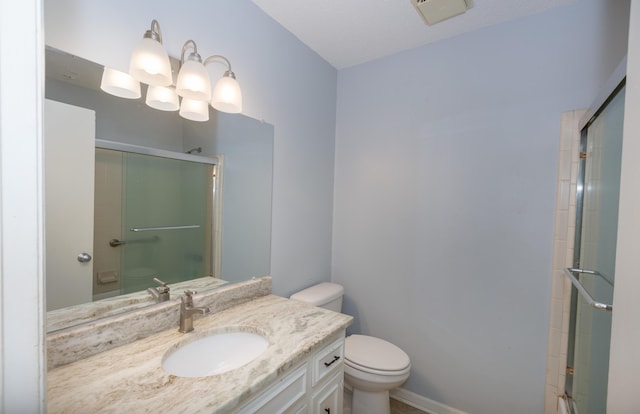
<point>350,32</point>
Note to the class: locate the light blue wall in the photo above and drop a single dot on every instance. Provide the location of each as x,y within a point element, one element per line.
<point>247,148</point>
<point>283,83</point>
<point>445,166</point>
<point>445,180</point>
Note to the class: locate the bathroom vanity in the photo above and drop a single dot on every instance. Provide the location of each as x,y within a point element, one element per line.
<point>316,386</point>
<point>300,371</point>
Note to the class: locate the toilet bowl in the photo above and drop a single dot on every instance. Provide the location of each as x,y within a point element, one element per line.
<point>372,366</point>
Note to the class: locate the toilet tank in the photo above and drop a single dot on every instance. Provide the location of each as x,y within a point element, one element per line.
<point>325,295</point>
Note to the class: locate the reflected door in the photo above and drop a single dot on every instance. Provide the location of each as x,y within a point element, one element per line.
<point>69,144</point>
<point>598,198</point>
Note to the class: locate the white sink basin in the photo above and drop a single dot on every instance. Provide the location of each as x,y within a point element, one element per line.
<point>215,354</point>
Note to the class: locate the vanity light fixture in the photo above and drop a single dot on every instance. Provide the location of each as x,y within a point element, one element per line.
<point>120,84</point>
<point>193,81</point>
<point>194,110</point>
<point>149,60</point>
<point>150,64</point>
<point>227,96</point>
<point>193,78</point>
<point>163,98</point>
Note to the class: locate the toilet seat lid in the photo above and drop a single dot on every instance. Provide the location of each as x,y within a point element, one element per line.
<point>375,353</point>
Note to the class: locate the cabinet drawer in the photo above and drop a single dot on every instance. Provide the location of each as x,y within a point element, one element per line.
<point>280,396</point>
<point>327,361</point>
<point>328,400</point>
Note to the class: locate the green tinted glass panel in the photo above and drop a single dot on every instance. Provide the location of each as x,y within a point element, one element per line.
<point>168,202</point>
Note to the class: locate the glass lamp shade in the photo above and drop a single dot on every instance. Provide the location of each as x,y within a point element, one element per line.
<point>150,63</point>
<point>227,96</point>
<point>194,110</point>
<point>119,84</point>
<point>163,98</point>
<point>193,81</point>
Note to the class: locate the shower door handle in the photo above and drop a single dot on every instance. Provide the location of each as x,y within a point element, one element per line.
<point>84,257</point>
<point>585,295</point>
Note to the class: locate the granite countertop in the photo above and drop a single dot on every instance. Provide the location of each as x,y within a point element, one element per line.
<point>130,378</point>
<point>87,312</point>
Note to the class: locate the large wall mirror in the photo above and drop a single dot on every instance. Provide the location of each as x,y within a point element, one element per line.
<point>186,202</point>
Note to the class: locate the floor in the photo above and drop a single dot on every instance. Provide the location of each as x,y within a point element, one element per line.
<point>396,406</point>
<point>399,408</point>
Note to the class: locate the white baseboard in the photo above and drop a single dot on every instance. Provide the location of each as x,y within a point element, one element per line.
<point>422,403</point>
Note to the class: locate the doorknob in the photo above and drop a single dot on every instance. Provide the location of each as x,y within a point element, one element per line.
<point>84,257</point>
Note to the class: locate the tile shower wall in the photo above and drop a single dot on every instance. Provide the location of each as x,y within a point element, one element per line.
<point>562,257</point>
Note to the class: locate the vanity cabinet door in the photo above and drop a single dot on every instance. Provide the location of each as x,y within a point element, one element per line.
<point>316,386</point>
<point>301,408</point>
<point>281,397</point>
<point>328,399</point>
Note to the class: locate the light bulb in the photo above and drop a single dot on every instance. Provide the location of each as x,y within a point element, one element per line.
<point>119,84</point>
<point>193,81</point>
<point>150,63</point>
<point>194,110</point>
<point>227,96</point>
<point>163,98</point>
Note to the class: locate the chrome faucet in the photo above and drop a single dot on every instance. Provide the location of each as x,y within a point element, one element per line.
<point>160,293</point>
<point>187,310</point>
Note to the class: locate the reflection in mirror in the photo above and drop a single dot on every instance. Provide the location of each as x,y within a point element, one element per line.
<point>153,218</point>
<point>234,227</point>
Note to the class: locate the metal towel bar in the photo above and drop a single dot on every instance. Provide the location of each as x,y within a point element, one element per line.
<point>190,226</point>
<point>601,306</point>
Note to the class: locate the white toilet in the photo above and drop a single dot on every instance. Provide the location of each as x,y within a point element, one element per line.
<point>372,366</point>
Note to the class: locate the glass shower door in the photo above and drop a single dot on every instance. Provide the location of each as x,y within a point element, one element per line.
<point>166,212</point>
<point>594,260</point>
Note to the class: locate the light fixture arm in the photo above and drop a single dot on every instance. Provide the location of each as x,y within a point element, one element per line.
<point>190,44</point>
<point>154,33</point>
<point>229,72</point>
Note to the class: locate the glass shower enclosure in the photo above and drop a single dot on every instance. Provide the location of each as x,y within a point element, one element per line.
<point>153,219</point>
<point>593,271</point>
<point>165,217</point>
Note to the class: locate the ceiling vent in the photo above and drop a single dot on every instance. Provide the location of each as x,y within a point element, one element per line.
<point>434,11</point>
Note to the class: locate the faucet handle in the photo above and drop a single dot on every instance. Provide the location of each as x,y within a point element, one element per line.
<point>187,299</point>
<point>164,288</point>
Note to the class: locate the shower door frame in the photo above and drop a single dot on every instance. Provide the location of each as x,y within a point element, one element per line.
<point>612,87</point>
<point>216,161</point>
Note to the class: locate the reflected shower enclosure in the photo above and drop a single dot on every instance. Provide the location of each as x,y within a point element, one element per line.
<point>151,220</point>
